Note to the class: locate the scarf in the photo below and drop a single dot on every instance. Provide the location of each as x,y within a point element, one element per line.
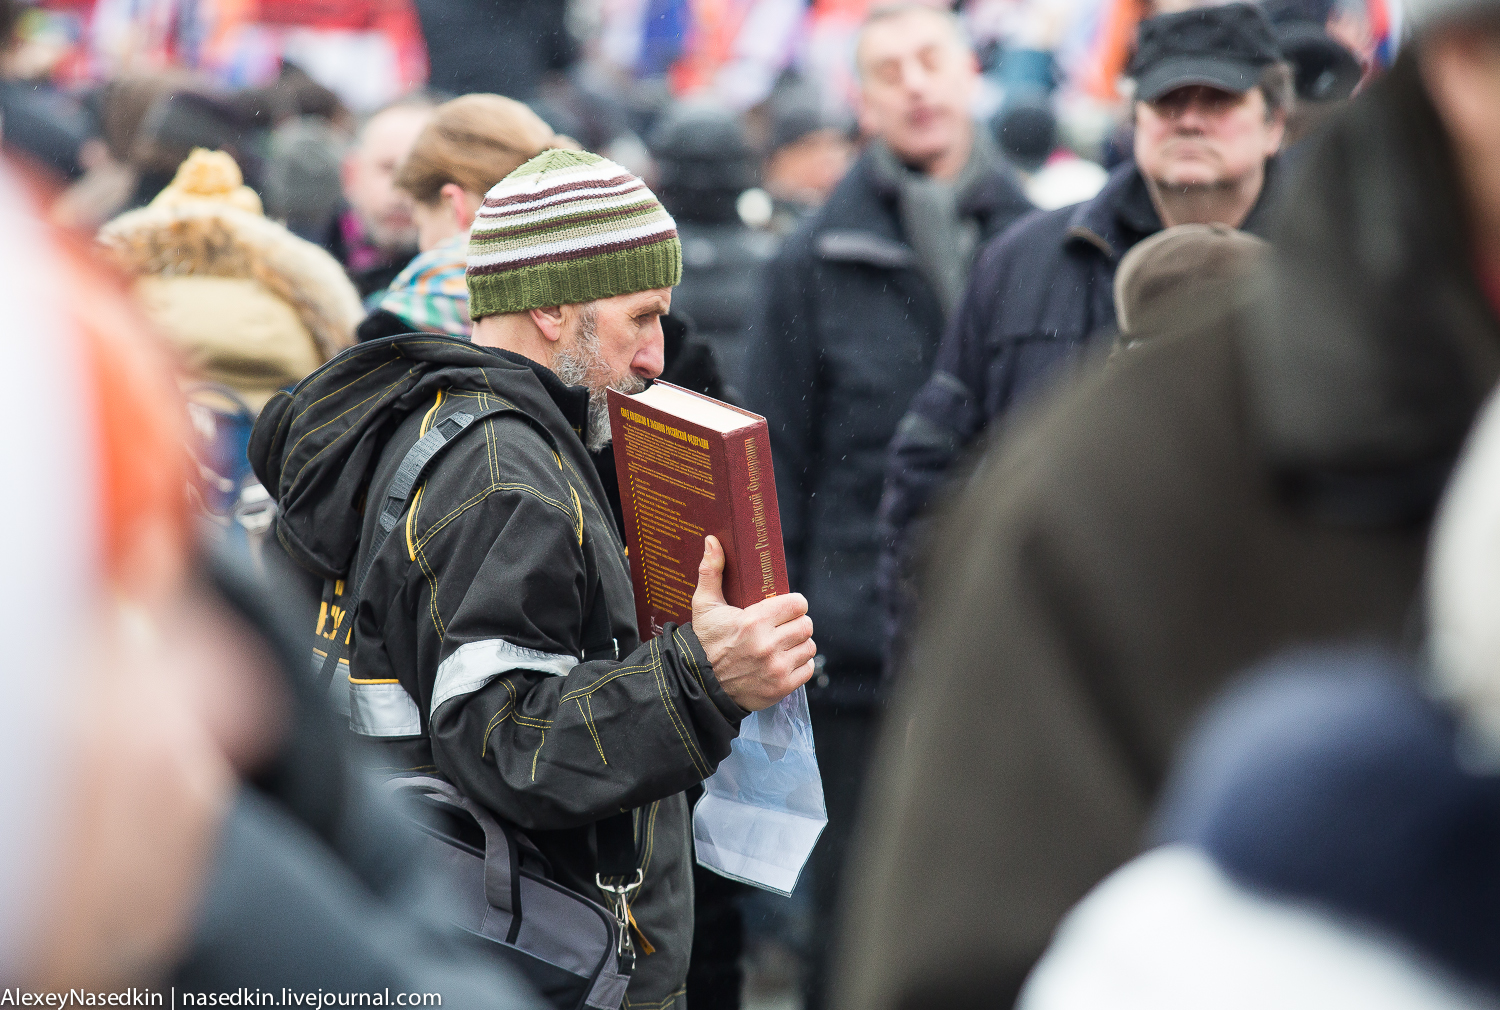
<point>944,239</point>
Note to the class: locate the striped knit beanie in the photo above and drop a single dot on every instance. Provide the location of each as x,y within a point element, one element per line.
<point>564,228</point>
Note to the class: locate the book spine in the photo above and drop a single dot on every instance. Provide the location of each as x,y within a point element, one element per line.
<point>759,559</point>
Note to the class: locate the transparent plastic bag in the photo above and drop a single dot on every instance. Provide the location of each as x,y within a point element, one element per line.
<point>762,811</point>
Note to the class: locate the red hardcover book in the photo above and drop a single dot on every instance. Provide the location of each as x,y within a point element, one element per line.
<point>689,466</point>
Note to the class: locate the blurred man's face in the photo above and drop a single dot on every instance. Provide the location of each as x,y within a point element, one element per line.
<point>916,82</point>
<point>807,171</point>
<point>1203,137</point>
<point>369,175</point>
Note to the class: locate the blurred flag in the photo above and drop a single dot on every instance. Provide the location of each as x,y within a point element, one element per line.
<point>1385,29</point>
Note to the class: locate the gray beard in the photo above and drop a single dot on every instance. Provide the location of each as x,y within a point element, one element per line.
<point>583,364</point>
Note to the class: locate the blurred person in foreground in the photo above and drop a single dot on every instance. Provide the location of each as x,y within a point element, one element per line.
<point>495,640</point>
<point>469,144</point>
<point>1326,839</point>
<point>1259,473</point>
<point>848,323</point>
<point>1212,97</point>
<point>184,818</point>
<point>374,236</point>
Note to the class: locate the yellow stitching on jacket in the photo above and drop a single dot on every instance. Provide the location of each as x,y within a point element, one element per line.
<point>499,716</point>
<point>589,722</point>
<point>688,654</point>
<point>537,755</point>
<point>584,692</point>
<point>481,496</point>
<point>432,605</point>
<point>294,418</point>
<point>650,837</point>
<point>673,715</point>
<point>490,449</point>
<point>608,522</point>
<point>411,515</point>
<point>341,434</point>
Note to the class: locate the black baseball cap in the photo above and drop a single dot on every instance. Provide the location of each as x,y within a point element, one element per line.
<point>1225,47</point>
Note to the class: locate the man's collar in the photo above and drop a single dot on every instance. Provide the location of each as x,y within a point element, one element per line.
<point>1122,213</point>
<point>572,401</point>
<point>1119,215</point>
<point>1136,211</point>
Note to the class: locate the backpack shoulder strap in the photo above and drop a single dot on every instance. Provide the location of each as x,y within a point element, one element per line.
<point>414,467</point>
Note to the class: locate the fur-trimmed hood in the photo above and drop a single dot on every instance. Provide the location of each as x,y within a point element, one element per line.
<point>207,224</point>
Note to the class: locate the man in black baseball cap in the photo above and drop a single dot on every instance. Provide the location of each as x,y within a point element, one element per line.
<point>1226,47</point>
<point>1210,113</point>
<point>1211,96</point>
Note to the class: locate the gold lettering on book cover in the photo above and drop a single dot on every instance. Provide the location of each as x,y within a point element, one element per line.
<point>758,520</point>
<point>666,470</point>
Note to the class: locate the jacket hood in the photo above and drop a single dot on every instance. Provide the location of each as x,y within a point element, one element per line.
<point>315,448</point>
<point>208,224</point>
<point>1376,345</point>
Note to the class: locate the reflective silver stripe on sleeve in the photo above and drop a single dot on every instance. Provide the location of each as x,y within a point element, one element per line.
<point>382,709</point>
<point>475,664</point>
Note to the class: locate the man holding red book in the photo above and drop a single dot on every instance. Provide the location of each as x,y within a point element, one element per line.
<point>494,637</point>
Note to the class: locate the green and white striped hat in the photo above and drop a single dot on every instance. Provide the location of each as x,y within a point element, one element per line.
<point>564,228</point>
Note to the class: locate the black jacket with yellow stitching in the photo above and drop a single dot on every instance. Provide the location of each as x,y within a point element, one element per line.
<point>467,644</point>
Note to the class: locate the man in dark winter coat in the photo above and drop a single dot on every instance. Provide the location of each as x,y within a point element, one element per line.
<point>1257,475</point>
<point>1212,104</point>
<point>851,314</point>
<point>494,637</point>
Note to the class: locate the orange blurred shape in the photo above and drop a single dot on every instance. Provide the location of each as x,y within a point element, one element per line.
<point>140,427</point>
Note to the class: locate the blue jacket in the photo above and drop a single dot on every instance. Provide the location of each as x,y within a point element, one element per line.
<point>1040,296</point>
<point>845,332</point>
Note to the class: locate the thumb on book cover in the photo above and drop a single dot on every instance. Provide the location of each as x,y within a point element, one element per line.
<point>710,591</point>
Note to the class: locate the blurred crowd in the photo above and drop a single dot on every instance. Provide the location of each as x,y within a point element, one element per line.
<point>1126,366</point>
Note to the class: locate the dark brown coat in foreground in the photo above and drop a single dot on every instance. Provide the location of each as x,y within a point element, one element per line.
<point>1262,477</point>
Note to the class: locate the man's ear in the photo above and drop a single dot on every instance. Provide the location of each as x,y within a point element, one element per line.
<point>548,319</point>
<point>1277,134</point>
